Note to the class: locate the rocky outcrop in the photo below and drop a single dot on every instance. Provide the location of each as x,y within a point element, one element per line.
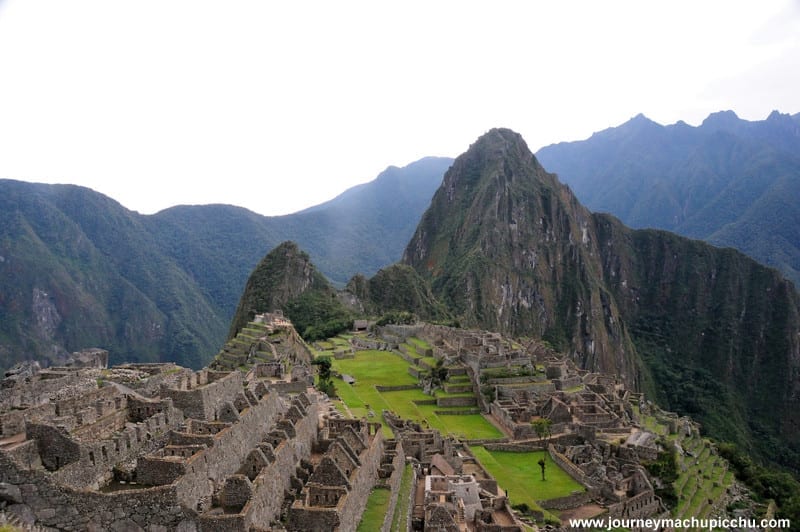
<point>509,248</point>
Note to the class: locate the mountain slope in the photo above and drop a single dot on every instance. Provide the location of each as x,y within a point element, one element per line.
<point>728,181</point>
<point>706,331</point>
<point>77,269</point>
<point>286,281</point>
<point>359,231</point>
<point>507,247</point>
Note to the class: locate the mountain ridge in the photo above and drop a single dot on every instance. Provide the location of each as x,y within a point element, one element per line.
<point>719,181</point>
<point>75,262</point>
<point>686,322</point>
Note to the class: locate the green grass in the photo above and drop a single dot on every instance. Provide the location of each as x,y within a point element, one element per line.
<point>411,349</point>
<point>375,512</point>
<point>519,474</point>
<point>419,343</point>
<point>400,518</point>
<point>431,361</point>
<point>371,368</point>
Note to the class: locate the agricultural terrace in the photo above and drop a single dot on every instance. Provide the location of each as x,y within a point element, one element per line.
<point>520,476</point>
<point>383,368</point>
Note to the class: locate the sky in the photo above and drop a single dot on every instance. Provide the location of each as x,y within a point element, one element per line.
<point>277,106</point>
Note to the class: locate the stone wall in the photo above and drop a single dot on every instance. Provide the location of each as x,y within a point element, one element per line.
<point>207,470</point>
<point>159,470</point>
<point>272,481</point>
<point>289,387</point>
<point>362,483</point>
<point>569,502</point>
<point>39,390</point>
<point>571,469</point>
<point>639,506</point>
<point>456,401</point>
<point>88,463</point>
<point>544,387</point>
<point>393,484</point>
<point>347,513</point>
<point>64,508</point>
<point>201,402</point>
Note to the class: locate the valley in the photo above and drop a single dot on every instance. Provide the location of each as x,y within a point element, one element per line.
<point>519,336</point>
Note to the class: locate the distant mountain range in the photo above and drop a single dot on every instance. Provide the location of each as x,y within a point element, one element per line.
<point>730,182</point>
<point>77,269</point>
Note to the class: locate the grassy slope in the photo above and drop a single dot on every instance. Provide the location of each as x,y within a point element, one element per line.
<point>371,368</point>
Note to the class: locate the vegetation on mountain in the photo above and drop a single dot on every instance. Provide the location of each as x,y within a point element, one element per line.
<point>506,247</point>
<point>704,331</point>
<point>286,281</point>
<point>766,483</point>
<point>729,181</point>
<point>395,290</point>
<point>77,269</point>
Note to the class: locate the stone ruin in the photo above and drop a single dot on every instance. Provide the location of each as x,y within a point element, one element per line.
<point>158,447</point>
<point>456,493</point>
<point>351,457</point>
<point>595,432</point>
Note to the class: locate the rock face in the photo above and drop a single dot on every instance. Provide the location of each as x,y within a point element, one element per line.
<point>509,248</point>
<point>706,331</point>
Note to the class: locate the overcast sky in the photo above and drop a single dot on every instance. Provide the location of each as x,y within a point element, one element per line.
<point>276,106</point>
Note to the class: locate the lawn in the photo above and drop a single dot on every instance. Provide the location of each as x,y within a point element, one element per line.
<point>520,476</point>
<point>419,343</point>
<point>371,368</point>
<point>375,512</point>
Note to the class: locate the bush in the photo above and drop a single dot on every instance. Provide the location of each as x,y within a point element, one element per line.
<point>397,318</point>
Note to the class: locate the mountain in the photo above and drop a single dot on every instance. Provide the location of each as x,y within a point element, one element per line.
<point>285,280</point>
<point>702,330</point>
<point>396,288</point>
<point>360,231</point>
<point>77,269</point>
<point>507,247</point>
<point>730,182</point>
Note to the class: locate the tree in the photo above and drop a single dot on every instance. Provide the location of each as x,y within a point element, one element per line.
<point>324,383</point>
<point>436,376</point>
<point>324,363</point>
<point>542,426</point>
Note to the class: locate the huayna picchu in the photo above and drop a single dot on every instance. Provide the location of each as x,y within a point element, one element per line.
<point>704,331</point>
<point>548,400</point>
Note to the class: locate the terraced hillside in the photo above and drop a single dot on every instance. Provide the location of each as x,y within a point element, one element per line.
<point>386,380</point>
<point>265,340</point>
